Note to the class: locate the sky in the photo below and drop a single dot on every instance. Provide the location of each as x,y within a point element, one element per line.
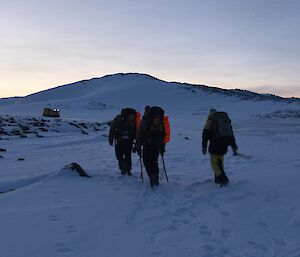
<point>245,44</point>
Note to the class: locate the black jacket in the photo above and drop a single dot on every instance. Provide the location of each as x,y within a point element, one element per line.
<point>218,146</point>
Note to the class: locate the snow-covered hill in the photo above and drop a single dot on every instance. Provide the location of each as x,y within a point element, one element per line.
<point>95,97</point>
<point>54,212</point>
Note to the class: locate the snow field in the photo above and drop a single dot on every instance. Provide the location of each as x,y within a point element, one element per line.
<point>54,212</point>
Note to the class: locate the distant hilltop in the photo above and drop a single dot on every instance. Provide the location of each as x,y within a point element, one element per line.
<point>138,77</point>
<point>240,93</point>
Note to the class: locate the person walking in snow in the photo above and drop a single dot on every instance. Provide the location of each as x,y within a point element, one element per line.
<point>150,142</point>
<point>123,131</point>
<point>218,131</point>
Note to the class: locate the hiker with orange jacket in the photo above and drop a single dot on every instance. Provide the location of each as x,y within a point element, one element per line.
<point>151,142</point>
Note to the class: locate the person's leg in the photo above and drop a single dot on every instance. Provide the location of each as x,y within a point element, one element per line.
<point>127,159</point>
<point>118,154</point>
<point>214,160</point>
<point>155,166</point>
<point>147,159</point>
<point>217,163</point>
<point>150,157</point>
<point>120,151</point>
<point>224,178</point>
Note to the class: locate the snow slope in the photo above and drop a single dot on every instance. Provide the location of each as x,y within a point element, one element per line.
<point>54,212</point>
<point>85,99</point>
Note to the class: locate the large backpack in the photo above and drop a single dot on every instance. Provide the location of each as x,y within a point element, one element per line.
<point>221,125</point>
<point>125,131</point>
<point>126,112</point>
<point>157,133</point>
<point>155,111</point>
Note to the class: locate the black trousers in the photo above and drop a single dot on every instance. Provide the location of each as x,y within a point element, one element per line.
<point>150,159</point>
<point>123,153</point>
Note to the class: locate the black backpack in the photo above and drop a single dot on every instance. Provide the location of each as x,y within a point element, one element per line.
<point>126,112</point>
<point>221,125</point>
<point>126,132</point>
<point>154,134</point>
<point>155,111</point>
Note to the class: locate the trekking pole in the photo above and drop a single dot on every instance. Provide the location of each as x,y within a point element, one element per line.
<point>142,176</point>
<point>163,160</point>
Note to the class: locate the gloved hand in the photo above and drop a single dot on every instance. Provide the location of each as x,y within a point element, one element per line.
<point>162,150</point>
<point>204,151</point>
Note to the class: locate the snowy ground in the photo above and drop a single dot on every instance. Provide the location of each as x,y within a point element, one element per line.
<point>54,212</point>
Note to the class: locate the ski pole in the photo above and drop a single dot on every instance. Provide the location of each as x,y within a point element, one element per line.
<point>142,177</point>
<point>163,160</point>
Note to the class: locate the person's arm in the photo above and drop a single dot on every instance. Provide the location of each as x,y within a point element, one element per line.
<point>112,132</point>
<point>234,145</point>
<point>206,134</point>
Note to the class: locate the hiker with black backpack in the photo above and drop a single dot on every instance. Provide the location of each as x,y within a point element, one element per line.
<point>151,140</point>
<point>218,131</point>
<point>123,131</point>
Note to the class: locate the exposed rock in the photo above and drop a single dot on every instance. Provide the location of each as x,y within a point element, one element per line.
<point>76,167</point>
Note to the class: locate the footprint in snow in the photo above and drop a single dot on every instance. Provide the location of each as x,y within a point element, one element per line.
<point>173,226</point>
<point>53,217</point>
<point>72,230</point>
<point>181,210</point>
<point>262,224</point>
<point>157,253</point>
<point>272,199</point>
<point>65,207</point>
<point>225,213</point>
<point>257,245</point>
<point>61,248</point>
<point>214,205</point>
<point>208,248</point>
<point>226,233</point>
<point>203,230</point>
<point>279,241</point>
<point>185,222</point>
<point>242,196</point>
<point>293,208</point>
<point>296,222</point>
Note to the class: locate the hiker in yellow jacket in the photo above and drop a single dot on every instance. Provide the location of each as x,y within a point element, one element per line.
<point>218,131</point>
